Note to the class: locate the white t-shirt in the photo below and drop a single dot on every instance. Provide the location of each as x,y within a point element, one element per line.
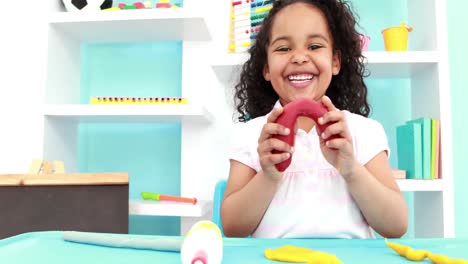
<point>312,200</point>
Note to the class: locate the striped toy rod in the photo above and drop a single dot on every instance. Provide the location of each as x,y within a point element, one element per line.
<point>137,100</point>
<point>163,197</point>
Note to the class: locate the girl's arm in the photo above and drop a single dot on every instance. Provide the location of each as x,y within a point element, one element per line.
<point>372,185</point>
<point>246,199</point>
<point>248,193</point>
<point>376,192</point>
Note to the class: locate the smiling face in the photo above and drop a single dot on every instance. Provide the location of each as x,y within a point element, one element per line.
<point>301,60</point>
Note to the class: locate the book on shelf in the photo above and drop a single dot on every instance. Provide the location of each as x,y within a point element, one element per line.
<point>418,148</point>
<point>435,150</point>
<point>425,138</point>
<point>409,150</point>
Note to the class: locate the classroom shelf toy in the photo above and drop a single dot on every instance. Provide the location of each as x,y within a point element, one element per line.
<point>138,100</point>
<point>246,17</point>
<point>164,197</point>
<point>145,5</point>
<point>86,5</point>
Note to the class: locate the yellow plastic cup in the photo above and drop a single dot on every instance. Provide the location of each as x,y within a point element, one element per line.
<point>396,38</point>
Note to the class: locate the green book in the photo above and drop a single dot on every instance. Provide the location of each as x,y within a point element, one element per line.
<point>435,152</point>
<point>426,140</point>
<point>409,150</point>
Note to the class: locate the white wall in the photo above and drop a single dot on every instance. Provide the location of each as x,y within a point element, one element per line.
<point>204,149</point>
<point>22,76</point>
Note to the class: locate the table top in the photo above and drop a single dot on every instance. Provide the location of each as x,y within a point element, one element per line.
<point>49,247</point>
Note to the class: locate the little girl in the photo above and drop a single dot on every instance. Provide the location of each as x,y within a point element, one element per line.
<point>338,188</point>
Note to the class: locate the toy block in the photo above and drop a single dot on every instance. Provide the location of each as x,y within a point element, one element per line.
<point>58,166</point>
<point>139,5</point>
<point>46,167</point>
<point>35,167</point>
<point>111,9</point>
<point>163,5</point>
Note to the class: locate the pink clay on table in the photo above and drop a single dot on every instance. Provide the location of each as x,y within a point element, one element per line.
<point>302,107</point>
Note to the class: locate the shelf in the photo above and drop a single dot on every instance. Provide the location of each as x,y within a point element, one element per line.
<point>420,185</point>
<point>381,64</point>
<point>167,208</point>
<point>132,25</point>
<point>129,113</point>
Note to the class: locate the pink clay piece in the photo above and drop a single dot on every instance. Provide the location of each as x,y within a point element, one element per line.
<point>302,107</point>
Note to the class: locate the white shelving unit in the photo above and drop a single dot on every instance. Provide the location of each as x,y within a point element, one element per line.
<point>425,64</point>
<point>206,68</point>
<point>62,110</point>
<point>167,208</point>
<point>129,113</point>
<point>130,26</point>
<point>379,63</point>
<point>421,185</point>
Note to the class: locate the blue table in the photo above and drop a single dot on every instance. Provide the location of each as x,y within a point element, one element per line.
<point>49,247</point>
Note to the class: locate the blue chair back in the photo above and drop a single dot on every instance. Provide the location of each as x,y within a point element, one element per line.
<point>217,199</point>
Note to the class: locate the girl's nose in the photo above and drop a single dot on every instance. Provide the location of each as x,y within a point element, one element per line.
<point>300,57</point>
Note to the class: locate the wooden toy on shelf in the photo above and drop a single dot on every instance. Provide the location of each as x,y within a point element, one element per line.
<point>46,167</point>
<point>138,100</point>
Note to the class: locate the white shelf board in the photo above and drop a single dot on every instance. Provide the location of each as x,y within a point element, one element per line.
<point>403,64</point>
<point>128,113</point>
<point>420,185</point>
<point>132,25</point>
<point>168,208</point>
<point>381,64</point>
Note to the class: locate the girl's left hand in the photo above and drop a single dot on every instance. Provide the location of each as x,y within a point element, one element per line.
<point>338,151</point>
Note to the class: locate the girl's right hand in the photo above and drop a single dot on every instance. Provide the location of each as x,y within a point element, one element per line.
<point>266,145</point>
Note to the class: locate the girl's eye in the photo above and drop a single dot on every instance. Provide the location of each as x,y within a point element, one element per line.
<point>314,46</point>
<point>282,49</point>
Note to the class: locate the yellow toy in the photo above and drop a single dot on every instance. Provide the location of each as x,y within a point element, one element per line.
<point>419,255</point>
<point>300,254</point>
<point>138,100</point>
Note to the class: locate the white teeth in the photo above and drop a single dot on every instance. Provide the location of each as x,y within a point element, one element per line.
<point>300,77</point>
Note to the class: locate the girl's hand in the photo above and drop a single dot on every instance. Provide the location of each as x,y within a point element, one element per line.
<point>338,151</point>
<point>266,145</point>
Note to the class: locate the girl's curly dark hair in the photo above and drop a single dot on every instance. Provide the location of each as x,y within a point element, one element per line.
<point>254,96</point>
